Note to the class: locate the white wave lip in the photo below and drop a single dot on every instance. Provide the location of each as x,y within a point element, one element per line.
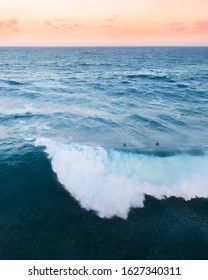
<point>112,182</point>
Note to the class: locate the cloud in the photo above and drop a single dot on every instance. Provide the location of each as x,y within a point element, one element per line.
<point>77,25</point>
<point>62,23</point>
<point>110,24</point>
<point>109,27</point>
<point>111,19</point>
<point>202,26</point>
<point>11,24</point>
<point>48,23</point>
<point>62,19</point>
<point>197,27</point>
<point>175,26</point>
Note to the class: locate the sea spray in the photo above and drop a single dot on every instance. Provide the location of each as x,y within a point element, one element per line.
<point>111,182</point>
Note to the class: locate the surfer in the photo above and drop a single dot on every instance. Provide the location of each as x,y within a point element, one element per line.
<point>157,144</point>
<point>124,144</point>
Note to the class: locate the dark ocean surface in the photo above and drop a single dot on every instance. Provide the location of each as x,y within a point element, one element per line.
<point>69,189</point>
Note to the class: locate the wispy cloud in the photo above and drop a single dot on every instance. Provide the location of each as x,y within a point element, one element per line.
<point>48,23</point>
<point>63,24</point>
<point>62,19</point>
<point>202,26</point>
<point>10,24</point>
<point>197,27</point>
<point>111,24</point>
<point>108,26</point>
<point>175,26</point>
<point>78,25</point>
<point>112,19</point>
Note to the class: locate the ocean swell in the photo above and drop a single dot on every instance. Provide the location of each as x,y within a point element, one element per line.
<point>111,182</point>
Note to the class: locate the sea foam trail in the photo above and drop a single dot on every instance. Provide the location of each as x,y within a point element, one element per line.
<point>111,182</point>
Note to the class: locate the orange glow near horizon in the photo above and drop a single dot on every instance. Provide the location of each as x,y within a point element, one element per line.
<point>103,22</point>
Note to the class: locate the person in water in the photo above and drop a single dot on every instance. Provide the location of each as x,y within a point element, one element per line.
<point>157,144</point>
<point>124,144</point>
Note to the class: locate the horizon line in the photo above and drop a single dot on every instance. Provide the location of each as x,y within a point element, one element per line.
<point>100,46</point>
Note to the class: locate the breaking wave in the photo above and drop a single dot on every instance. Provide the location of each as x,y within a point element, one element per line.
<point>111,182</point>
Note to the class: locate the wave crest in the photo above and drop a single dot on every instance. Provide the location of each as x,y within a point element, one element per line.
<point>111,182</point>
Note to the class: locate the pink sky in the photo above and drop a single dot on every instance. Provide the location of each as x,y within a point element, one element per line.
<point>103,22</point>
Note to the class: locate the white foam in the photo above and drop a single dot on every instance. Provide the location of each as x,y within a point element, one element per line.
<point>112,182</point>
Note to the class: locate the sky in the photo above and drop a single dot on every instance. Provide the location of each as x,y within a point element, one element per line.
<point>103,22</point>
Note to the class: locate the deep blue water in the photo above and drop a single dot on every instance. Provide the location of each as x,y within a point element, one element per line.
<point>69,188</point>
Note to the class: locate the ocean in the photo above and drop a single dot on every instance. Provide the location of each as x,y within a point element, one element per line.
<point>104,153</point>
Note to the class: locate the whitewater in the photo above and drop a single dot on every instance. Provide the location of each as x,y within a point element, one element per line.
<point>110,182</point>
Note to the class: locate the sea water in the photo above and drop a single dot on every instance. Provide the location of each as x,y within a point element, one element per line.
<point>70,187</point>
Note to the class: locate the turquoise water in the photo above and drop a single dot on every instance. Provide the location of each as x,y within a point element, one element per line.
<point>69,188</point>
